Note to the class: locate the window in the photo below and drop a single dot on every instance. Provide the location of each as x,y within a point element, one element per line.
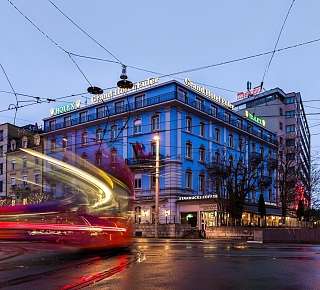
<point>137,181</point>
<point>53,145</point>
<point>249,128</point>
<point>217,135</point>
<point>13,165</point>
<point>138,101</point>
<point>24,180</point>
<point>280,111</point>
<point>239,123</point>
<point>182,95</point>
<point>24,162</point>
<point>217,157</point>
<point>202,129</point>
<point>84,139</point>
<point>1,186</point>
<point>241,144</point>
<point>24,142</point>
<point>199,103</point>
<point>153,148</point>
<point>189,124</point>
<point>1,151</point>
<point>227,117</point>
<point>290,114</point>
<point>253,147</point>
<point>201,182</point>
<point>36,140</point>
<point>1,135</point>
<point>260,132</point>
<point>280,126</point>
<point>230,140</point>
<point>114,132</point>
<point>214,111</point>
<point>83,117</point>
<point>290,142</point>
<point>290,128</point>
<point>188,179</point>
<point>155,123</point>
<point>99,158</point>
<point>153,180</point>
<point>52,124</point>
<point>67,121</point>
<point>1,168</point>
<point>36,160</point>
<point>37,179</point>
<point>189,150</point>
<point>13,145</point>
<point>99,136</point>
<point>64,142</point>
<point>101,112</point>
<point>202,154</point>
<point>13,181</point>
<point>113,155</point>
<point>119,106</point>
<point>137,126</point>
<point>289,100</point>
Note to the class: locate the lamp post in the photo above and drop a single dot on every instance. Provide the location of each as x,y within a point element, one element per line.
<point>156,138</point>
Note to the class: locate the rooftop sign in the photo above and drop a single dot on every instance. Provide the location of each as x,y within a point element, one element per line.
<point>65,108</point>
<point>117,92</point>
<point>208,94</point>
<point>255,119</point>
<point>244,95</point>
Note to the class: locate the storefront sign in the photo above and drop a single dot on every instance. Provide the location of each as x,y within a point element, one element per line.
<point>197,197</point>
<point>117,92</point>
<point>255,119</point>
<point>65,108</point>
<point>208,94</point>
<point>252,92</point>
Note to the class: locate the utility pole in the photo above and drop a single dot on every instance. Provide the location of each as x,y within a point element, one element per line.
<point>156,138</point>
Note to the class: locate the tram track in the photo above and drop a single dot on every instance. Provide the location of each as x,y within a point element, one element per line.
<point>82,282</point>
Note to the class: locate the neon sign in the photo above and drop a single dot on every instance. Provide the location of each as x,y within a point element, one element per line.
<point>255,119</point>
<point>65,108</point>
<point>117,92</point>
<point>208,94</point>
<point>244,95</point>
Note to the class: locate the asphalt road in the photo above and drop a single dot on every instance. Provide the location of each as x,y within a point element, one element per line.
<point>162,264</point>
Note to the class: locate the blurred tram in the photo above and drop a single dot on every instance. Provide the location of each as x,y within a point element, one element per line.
<point>68,228</point>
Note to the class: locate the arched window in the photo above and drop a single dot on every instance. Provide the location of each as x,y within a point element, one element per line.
<point>36,140</point>
<point>189,150</point>
<point>13,145</point>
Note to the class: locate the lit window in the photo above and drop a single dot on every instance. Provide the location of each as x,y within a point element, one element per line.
<point>155,123</point>
<point>189,150</point>
<point>189,124</point>
<point>137,126</point>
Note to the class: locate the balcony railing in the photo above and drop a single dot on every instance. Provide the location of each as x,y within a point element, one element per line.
<point>146,162</point>
<point>130,106</point>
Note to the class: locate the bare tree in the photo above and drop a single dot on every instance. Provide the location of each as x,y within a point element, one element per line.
<point>315,183</point>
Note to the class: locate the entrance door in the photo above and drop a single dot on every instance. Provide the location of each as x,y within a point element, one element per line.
<point>189,218</point>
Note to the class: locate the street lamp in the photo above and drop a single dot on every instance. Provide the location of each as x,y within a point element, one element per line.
<point>156,138</point>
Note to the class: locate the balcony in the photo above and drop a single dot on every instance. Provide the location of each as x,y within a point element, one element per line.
<point>143,163</point>
<point>216,168</point>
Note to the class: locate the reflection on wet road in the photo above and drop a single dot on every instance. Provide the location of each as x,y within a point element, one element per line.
<point>163,264</point>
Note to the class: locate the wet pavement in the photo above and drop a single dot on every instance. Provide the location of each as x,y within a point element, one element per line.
<point>162,264</point>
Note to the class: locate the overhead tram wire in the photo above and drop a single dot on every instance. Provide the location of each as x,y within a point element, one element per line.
<point>56,44</point>
<point>14,92</point>
<point>276,44</point>
<point>85,32</point>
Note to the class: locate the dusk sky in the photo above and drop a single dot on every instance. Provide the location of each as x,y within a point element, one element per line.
<point>164,36</point>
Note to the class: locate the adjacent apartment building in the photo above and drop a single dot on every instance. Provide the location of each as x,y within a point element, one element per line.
<point>283,114</point>
<point>199,134</point>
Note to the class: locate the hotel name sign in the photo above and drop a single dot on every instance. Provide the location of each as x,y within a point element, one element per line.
<point>255,119</point>
<point>117,91</point>
<point>204,91</point>
<point>65,108</point>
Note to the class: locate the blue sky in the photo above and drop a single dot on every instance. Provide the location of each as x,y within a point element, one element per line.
<point>164,36</point>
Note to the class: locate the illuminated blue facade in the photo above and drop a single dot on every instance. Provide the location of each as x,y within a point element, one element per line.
<point>195,132</point>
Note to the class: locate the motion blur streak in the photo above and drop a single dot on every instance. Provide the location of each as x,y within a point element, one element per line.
<point>104,192</point>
